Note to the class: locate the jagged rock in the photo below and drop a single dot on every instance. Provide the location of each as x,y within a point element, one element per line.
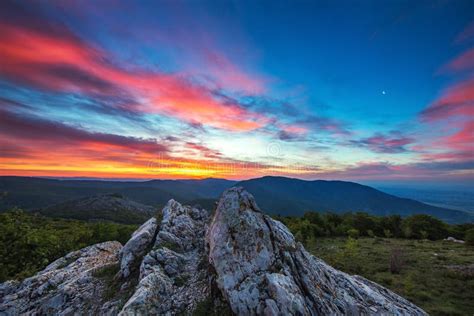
<point>137,246</point>
<point>65,287</point>
<point>173,278</point>
<point>262,270</point>
<point>242,262</point>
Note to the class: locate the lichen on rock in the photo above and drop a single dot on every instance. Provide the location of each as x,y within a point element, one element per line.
<point>261,269</point>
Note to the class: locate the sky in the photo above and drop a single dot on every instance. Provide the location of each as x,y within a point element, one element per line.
<point>379,91</point>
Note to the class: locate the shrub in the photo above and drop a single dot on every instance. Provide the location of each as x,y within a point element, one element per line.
<point>423,226</point>
<point>353,233</point>
<point>396,260</point>
<point>469,237</point>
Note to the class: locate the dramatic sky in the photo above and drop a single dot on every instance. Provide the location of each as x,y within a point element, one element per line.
<point>359,90</point>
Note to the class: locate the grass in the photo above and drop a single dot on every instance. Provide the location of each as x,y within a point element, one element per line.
<point>107,274</point>
<point>207,307</point>
<point>113,285</point>
<point>170,245</point>
<point>422,276</point>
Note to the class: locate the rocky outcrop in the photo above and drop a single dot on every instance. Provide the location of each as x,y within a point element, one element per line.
<point>173,276</point>
<point>65,287</point>
<point>238,261</point>
<point>136,247</point>
<point>262,270</point>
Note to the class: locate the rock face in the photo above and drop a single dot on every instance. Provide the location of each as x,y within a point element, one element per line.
<point>262,270</point>
<point>239,261</point>
<point>136,247</point>
<point>173,276</point>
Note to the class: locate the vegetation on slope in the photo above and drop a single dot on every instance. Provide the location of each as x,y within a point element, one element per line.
<point>406,255</point>
<point>28,242</point>
<point>432,274</point>
<point>106,207</point>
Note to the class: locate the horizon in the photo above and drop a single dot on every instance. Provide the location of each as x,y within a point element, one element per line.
<point>433,187</point>
<point>239,90</point>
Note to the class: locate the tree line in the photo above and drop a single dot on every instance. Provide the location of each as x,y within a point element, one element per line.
<point>419,226</point>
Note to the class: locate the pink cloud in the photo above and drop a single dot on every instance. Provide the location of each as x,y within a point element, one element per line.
<point>463,62</point>
<point>457,100</point>
<point>380,143</point>
<point>60,61</point>
<point>229,75</point>
<point>455,109</point>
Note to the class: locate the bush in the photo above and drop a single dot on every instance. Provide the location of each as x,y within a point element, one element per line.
<point>353,233</point>
<point>396,261</point>
<point>423,226</point>
<point>469,237</point>
<point>314,225</point>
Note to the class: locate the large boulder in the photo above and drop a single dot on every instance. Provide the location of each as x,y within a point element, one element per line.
<point>262,270</point>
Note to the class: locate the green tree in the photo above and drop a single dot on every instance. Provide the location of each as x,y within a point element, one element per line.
<point>353,233</point>
<point>29,242</point>
<point>425,226</point>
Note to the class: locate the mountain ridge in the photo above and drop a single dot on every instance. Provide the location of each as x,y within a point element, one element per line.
<point>277,195</point>
<point>105,207</point>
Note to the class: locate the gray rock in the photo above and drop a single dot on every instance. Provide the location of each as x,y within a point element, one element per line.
<point>173,278</point>
<point>459,241</point>
<point>262,270</point>
<point>137,246</point>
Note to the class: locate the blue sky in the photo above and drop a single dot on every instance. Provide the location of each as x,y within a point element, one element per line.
<point>360,90</point>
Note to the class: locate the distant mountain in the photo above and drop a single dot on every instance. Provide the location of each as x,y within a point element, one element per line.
<point>276,195</point>
<point>107,207</point>
<point>286,196</point>
<point>28,193</point>
<point>457,199</point>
